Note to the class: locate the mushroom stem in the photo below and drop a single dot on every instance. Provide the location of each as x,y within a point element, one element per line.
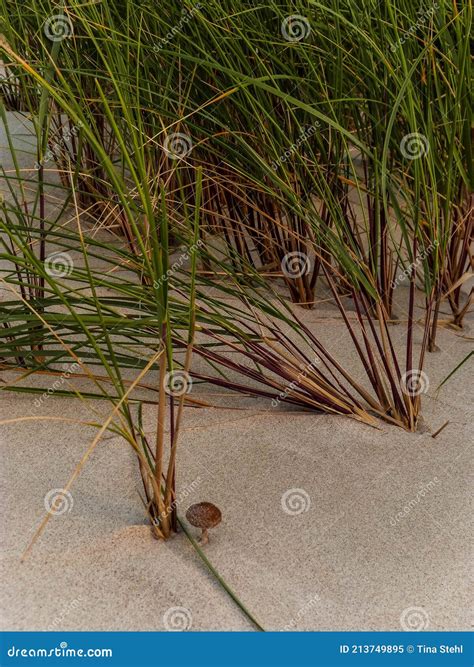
<point>204,536</point>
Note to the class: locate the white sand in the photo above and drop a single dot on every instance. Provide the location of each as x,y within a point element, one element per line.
<point>348,562</point>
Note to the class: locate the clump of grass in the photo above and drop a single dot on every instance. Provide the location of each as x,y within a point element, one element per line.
<point>346,196</point>
<point>275,147</point>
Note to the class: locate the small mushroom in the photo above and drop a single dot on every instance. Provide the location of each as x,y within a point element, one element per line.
<point>204,516</point>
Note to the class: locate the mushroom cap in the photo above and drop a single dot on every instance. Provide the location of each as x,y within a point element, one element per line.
<point>204,515</point>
